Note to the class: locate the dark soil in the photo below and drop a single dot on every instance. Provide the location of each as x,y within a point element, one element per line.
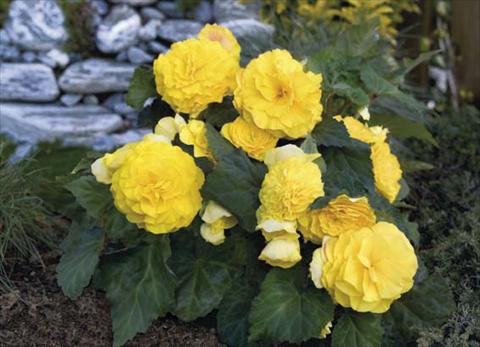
<point>38,314</point>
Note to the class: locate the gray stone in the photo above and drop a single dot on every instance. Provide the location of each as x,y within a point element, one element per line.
<point>117,104</point>
<point>44,59</point>
<point>177,30</point>
<point>157,47</point>
<point>118,30</point>
<point>122,56</point>
<point>134,2</point>
<point>90,100</point>
<point>203,12</point>
<point>107,143</point>
<point>36,25</point>
<point>250,30</point>
<point>34,123</point>
<point>170,9</point>
<point>29,57</point>
<point>27,82</point>
<point>138,56</point>
<point>70,99</point>
<point>148,32</point>
<point>9,53</point>
<point>152,13</point>
<point>96,76</point>
<point>59,57</point>
<point>4,38</point>
<point>225,10</point>
<point>99,6</point>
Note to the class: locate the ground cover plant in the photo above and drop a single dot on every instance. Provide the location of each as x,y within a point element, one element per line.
<point>267,195</point>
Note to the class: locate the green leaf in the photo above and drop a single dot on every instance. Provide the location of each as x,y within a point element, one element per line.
<point>287,309</point>
<point>139,286</point>
<point>232,316</point>
<point>358,330</point>
<point>429,304</point>
<point>354,94</point>
<point>403,128</point>
<point>376,83</point>
<point>407,108</point>
<point>409,166</point>
<point>409,65</point>
<point>142,87</point>
<point>217,143</point>
<point>234,184</point>
<point>151,114</point>
<point>94,197</point>
<point>116,224</point>
<point>330,132</point>
<point>309,145</point>
<point>81,253</point>
<point>204,274</point>
<point>348,169</point>
<point>220,113</point>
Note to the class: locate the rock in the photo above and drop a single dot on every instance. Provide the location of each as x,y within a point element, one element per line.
<point>118,30</point>
<point>152,13</point>
<point>36,25</point>
<point>138,56</point>
<point>122,56</point>
<point>107,143</point>
<point>117,104</point>
<point>42,58</point>
<point>27,82</point>
<point>225,10</point>
<point>203,12</point>
<point>29,57</point>
<point>250,30</point>
<point>177,30</point>
<point>170,8</point>
<point>99,6</point>
<point>4,38</point>
<point>34,123</point>
<point>90,100</point>
<point>71,99</point>
<point>134,2</point>
<point>9,53</point>
<point>157,47</point>
<point>22,150</point>
<point>96,76</point>
<point>60,58</point>
<point>149,31</point>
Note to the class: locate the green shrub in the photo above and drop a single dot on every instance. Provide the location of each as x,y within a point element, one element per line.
<point>78,22</point>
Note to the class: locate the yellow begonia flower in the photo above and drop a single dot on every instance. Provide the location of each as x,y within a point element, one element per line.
<point>359,131</point>
<point>169,126</point>
<point>194,133</point>
<point>278,154</point>
<point>316,268</point>
<point>193,74</point>
<point>103,168</point>
<point>340,215</point>
<point>272,228</point>
<point>282,251</point>
<point>386,171</point>
<point>247,136</point>
<point>277,95</point>
<point>364,113</point>
<point>289,187</point>
<point>222,35</point>
<point>157,186</point>
<point>368,269</point>
<point>216,219</point>
<point>326,330</point>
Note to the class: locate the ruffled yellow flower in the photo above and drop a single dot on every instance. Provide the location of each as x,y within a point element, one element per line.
<point>272,228</point>
<point>340,215</point>
<point>282,251</point>
<point>368,269</point>
<point>193,74</point>
<point>220,34</point>
<point>316,268</point>
<point>278,154</point>
<point>157,186</point>
<point>103,168</point>
<point>386,171</point>
<point>169,126</point>
<point>289,187</point>
<point>277,95</point>
<point>194,133</point>
<point>247,136</point>
<point>359,131</point>
<point>216,220</point>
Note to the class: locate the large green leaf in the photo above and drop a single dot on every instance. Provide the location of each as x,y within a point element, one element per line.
<point>232,316</point>
<point>428,304</point>
<point>139,286</point>
<point>234,184</point>
<point>348,169</point>
<point>376,83</point>
<point>288,309</point>
<point>220,113</point>
<point>204,274</point>
<point>81,253</point>
<point>217,143</point>
<point>330,132</point>
<point>358,330</point>
<point>403,128</point>
<point>142,87</point>
<point>94,197</point>
<point>355,94</point>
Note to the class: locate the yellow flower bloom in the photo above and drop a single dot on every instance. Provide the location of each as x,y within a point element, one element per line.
<point>277,95</point>
<point>216,219</point>
<point>359,131</point>
<point>194,133</point>
<point>157,186</point>
<point>220,34</point>
<point>386,171</point>
<point>316,268</point>
<point>282,251</point>
<point>289,187</point>
<point>247,136</point>
<point>169,126</point>
<point>340,215</point>
<point>103,168</point>
<point>193,74</point>
<point>326,330</point>
<point>368,269</point>
<point>272,228</point>
<point>275,155</point>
